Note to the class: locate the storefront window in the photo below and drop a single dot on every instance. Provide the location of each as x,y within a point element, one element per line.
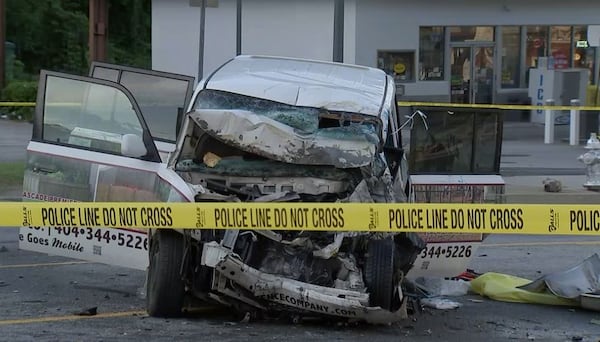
<point>511,55</point>
<point>583,54</point>
<point>536,44</point>
<point>431,53</point>
<point>472,33</point>
<point>399,64</point>
<point>560,46</point>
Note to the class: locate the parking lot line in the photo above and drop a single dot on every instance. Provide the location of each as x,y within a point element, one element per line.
<point>44,264</point>
<point>548,243</point>
<point>136,313</point>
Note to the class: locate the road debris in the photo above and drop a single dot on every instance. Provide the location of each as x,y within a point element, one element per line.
<point>440,303</point>
<point>476,300</point>
<point>443,287</point>
<point>504,287</point>
<point>571,283</point>
<point>552,185</point>
<point>578,286</point>
<point>88,312</point>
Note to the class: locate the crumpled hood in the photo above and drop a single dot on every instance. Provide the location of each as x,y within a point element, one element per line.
<point>334,86</point>
<point>343,147</point>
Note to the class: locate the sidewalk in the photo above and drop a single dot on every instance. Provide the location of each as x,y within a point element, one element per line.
<point>526,161</point>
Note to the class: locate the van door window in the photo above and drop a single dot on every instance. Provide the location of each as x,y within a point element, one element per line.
<point>89,115</point>
<point>161,96</point>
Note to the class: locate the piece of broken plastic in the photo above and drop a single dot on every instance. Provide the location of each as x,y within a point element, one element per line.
<point>504,287</point>
<point>439,303</point>
<point>571,283</point>
<point>436,286</point>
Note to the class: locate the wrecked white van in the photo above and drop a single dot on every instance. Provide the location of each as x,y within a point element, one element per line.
<point>259,129</point>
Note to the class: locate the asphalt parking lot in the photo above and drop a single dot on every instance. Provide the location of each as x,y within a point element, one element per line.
<point>46,298</point>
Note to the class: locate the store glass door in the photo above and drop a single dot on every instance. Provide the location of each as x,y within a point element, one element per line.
<point>472,74</point>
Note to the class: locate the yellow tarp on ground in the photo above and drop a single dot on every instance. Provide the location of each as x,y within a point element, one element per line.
<point>503,287</point>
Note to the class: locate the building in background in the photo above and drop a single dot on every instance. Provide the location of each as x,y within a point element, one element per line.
<point>463,52</point>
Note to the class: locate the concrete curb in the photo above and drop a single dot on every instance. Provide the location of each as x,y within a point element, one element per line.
<point>11,194</point>
<point>10,199</point>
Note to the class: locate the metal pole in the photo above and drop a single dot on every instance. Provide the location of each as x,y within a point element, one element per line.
<point>238,33</point>
<point>338,31</point>
<point>574,124</point>
<point>549,123</point>
<point>201,40</point>
<point>98,29</point>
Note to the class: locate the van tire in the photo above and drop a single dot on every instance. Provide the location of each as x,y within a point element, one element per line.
<point>379,273</point>
<point>165,286</point>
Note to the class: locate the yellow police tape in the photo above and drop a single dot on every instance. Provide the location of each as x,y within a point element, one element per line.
<point>493,106</point>
<point>17,104</point>
<point>397,217</point>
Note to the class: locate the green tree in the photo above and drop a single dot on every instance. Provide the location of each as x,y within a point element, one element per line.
<point>129,37</point>
<point>49,34</point>
<point>53,34</point>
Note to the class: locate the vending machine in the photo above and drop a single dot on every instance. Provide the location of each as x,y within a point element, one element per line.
<point>560,85</point>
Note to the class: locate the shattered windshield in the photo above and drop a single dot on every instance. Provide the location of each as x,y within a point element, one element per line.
<point>305,120</point>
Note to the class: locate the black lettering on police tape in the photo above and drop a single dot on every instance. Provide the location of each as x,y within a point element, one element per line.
<point>584,220</point>
<point>231,217</point>
<point>554,221</point>
<point>443,219</point>
<point>430,218</point>
<point>373,219</point>
<point>127,217</point>
<point>109,217</point>
<point>279,217</point>
<point>476,218</point>
<point>299,217</point>
<point>58,217</point>
<point>26,217</point>
<point>506,219</point>
<point>156,217</point>
<point>328,217</point>
<point>261,218</point>
<point>200,218</point>
<point>436,219</point>
<point>457,219</point>
<point>89,216</point>
<point>405,218</point>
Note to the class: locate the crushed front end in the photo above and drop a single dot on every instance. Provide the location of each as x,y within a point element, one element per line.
<point>269,152</point>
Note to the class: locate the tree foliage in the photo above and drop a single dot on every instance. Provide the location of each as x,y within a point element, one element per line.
<point>129,37</point>
<point>53,34</point>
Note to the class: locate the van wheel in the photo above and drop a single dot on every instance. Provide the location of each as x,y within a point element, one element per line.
<point>379,273</point>
<point>165,288</point>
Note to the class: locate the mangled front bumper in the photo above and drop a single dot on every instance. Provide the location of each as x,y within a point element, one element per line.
<point>270,292</point>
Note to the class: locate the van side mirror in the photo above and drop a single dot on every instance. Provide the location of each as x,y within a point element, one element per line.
<point>133,146</point>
